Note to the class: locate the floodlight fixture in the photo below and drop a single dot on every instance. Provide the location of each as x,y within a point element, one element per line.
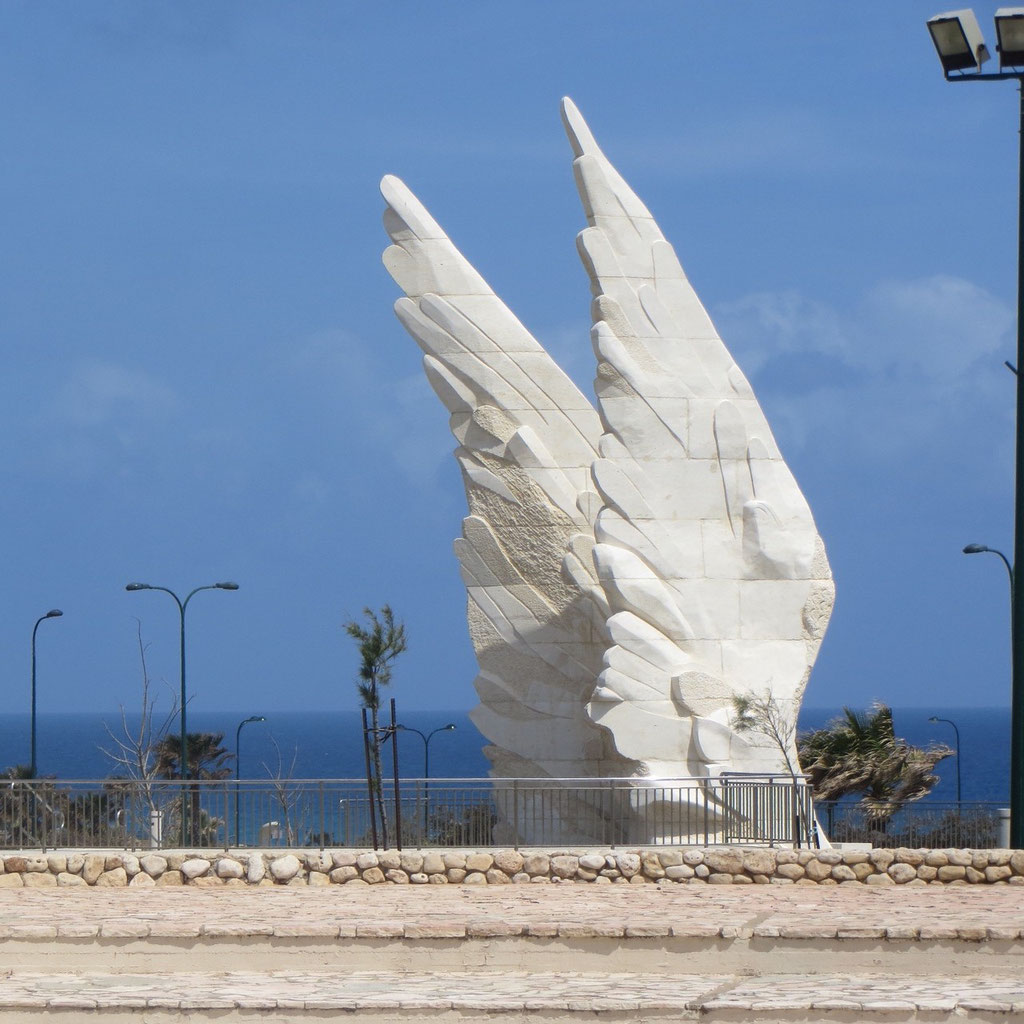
<point>958,40</point>
<point>1010,36</point>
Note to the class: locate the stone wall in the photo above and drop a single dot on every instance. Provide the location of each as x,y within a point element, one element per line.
<point>712,866</point>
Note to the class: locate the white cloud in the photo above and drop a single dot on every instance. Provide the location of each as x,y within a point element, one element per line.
<point>911,366</point>
<point>419,453</point>
<point>396,415</point>
<point>763,324</point>
<point>939,326</point>
<point>97,393</point>
<point>102,418</point>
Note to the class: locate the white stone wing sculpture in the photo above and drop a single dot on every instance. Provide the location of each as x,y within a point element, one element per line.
<point>526,440</point>
<point>714,572</point>
<point>629,573</point>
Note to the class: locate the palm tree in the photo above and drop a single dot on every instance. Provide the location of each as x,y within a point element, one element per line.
<point>860,753</point>
<point>379,645</point>
<point>207,759</point>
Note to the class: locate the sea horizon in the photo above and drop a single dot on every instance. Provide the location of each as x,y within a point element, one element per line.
<point>328,744</point>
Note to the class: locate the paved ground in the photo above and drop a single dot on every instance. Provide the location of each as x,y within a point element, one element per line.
<point>615,953</point>
<point>971,913</point>
<point>511,992</point>
<point>967,913</point>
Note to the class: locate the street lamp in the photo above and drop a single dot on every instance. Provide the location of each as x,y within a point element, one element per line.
<point>238,762</point>
<point>182,605</point>
<point>426,742</point>
<point>238,736</point>
<point>978,549</point>
<point>962,51</point>
<point>426,765</point>
<point>949,721</point>
<point>54,613</point>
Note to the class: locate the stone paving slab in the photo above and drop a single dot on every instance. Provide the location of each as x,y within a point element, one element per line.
<point>380,989</point>
<point>824,997</point>
<point>877,992</point>
<point>968,914</point>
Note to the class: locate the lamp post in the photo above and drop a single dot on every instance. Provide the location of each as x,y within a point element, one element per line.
<point>962,51</point>
<point>426,763</point>
<point>183,752</point>
<point>978,549</point>
<point>956,731</point>
<point>238,763</point>
<point>54,613</point>
<point>426,742</point>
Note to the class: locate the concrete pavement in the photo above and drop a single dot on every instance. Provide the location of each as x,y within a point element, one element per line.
<point>514,953</point>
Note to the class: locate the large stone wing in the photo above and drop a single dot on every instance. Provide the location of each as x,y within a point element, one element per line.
<point>526,440</point>
<point>714,572</point>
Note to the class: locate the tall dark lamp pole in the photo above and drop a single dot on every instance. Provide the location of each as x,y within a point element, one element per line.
<point>957,732</point>
<point>962,51</point>
<point>54,613</point>
<point>238,762</point>
<point>183,753</point>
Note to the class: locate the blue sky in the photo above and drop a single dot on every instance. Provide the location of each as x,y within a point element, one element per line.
<point>203,378</point>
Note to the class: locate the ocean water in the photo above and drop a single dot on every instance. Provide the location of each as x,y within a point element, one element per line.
<point>299,745</point>
<point>328,745</point>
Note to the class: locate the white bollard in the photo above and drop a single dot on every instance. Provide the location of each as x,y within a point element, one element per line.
<point>1004,827</point>
<point>156,829</point>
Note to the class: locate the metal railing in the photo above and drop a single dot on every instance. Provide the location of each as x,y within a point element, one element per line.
<point>937,826</point>
<point>319,813</point>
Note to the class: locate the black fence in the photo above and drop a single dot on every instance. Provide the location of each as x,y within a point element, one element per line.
<point>975,826</point>
<point>318,813</point>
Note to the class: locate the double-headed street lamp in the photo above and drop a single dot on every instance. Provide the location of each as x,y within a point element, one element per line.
<point>962,51</point>
<point>54,613</point>
<point>426,765</point>
<point>182,605</point>
<point>426,742</point>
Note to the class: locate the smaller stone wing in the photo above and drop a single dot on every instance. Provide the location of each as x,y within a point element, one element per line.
<point>526,439</point>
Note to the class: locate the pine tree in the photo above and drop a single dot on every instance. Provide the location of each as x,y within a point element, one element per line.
<point>380,642</point>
